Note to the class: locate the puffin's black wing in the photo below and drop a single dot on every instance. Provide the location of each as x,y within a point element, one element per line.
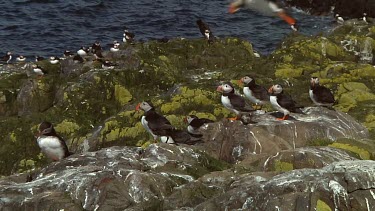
<point>197,123</point>
<point>239,103</point>
<point>65,147</point>
<point>286,102</point>
<point>261,93</point>
<point>202,26</point>
<point>323,94</point>
<point>158,123</point>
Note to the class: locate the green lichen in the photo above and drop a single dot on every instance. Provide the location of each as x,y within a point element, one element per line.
<point>322,206</point>
<point>281,166</point>
<point>122,95</point>
<point>360,152</point>
<point>67,127</point>
<point>320,142</point>
<point>288,72</point>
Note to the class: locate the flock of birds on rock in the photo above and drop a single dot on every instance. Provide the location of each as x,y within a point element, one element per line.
<point>55,148</point>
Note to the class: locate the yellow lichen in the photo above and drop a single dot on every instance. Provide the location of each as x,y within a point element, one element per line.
<point>67,127</point>
<point>322,206</point>
<point>281,166</point>
<point>122,95</point>
<point>362,153</point>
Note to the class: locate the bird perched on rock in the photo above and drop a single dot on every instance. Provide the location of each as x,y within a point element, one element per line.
<point>51,144</point>
<point>282,102</point>
<point>7,58</point>
<point>205,30</point>
<point>128,36</point>
<point>54,60</point>
<point>159,126</point>
<point>96,47</point>
<point>268,7</point>
<point>232,101</point>
<point>21,58</point>
<point>38,70</point>
<point>255,93</point>
<point>339,19</point>
<point>320,95</point>
<point>195,123</point>
<point>82,51</point>
<point>115,47</point>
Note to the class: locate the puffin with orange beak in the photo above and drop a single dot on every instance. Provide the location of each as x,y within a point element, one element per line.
<point>159,126</point>
<point>282,102</point>
<point>232,101</point>
<point>267,7</point>
<point>194,124</point>
<point>255,93</point>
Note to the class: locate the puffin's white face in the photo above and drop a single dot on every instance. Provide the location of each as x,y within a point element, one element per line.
<point>276,89</point>
<point>227,88</point>
<point>145,106</point>
<point>246,79</point>
<point>314,81</point>
<point>190,118</point>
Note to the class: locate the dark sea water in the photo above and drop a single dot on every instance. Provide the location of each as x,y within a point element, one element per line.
<point>48,27</point>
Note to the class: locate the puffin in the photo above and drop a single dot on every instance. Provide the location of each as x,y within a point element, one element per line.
<point>320,95</point>
<point>232,101</point>
<point>268,7</point>
<point>54,60</point>
<point>205,30</point>
<point>68,53</point>
<point>38,70</point>
<point>194,123</point>
<point>20,58</point>
<point>78,59</point>
<point>159,126</point>
<point>38,58</point>
<point>107,65</point>
<point>98,55</point>
<point>96,47</point>
<point>255,93</point>
<point>128,36</point>
<point>282,102</point>
<point>51,144</point>
<point>339,19</point>
<point>115,47</point>
<point>7,57</point>
<point>82,51</point>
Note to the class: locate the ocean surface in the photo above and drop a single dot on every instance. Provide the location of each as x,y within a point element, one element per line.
<point>48,27</point>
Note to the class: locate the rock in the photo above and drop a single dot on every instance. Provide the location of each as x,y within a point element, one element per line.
<point>232,141</point>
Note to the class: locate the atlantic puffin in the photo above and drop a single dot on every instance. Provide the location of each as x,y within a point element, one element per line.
<point>20,58</point>
<point>159,126</point>
<point>38,70</point>
<point>195,123</point>
<point>78,59</point>
<point>7,57</point>
<point>107,65</point>
<point>255,93</point>
<point>82,51</point>
<point>205,30</point>
<point>232,101</point>
<point>96,47</point>
<point>282,102</point>
<point>115,47</point>
<point>38,58</point>
<point>51,144</point>
<point>320,95</point>
<point>268,7</point>
<point>339,19</point>
<point>128,36</point>
<point>54,60</point>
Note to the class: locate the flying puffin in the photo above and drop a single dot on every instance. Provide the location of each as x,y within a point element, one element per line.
<point>320,95</point>
<point>159,126</point>
<point>205,30</point>
<point>232,101</point>
<point>51,144</point>
<point>7,57</point>
<point>195,123</point>
<point>255,93</point>
<point>282,102</point>
<point>128,36</point>
<point>268,7</point>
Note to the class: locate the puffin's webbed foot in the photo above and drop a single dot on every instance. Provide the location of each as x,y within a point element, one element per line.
<point>285,117</point>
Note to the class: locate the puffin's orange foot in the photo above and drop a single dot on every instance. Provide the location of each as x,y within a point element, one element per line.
<point>233,118</point>
<point>284,117</point>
